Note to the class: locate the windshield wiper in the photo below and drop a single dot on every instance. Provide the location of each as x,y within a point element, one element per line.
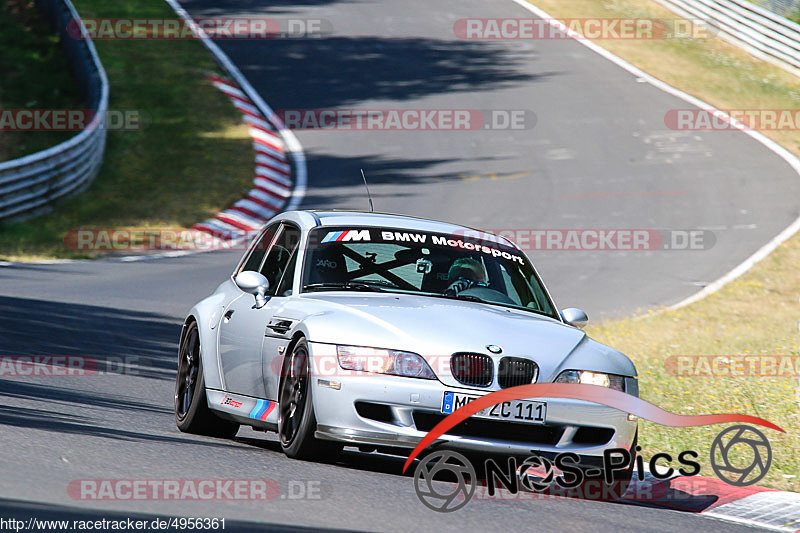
<point>352,285</point>
<point>466,297</point>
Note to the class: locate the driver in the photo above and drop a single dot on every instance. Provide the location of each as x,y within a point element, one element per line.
<point>466,272</point>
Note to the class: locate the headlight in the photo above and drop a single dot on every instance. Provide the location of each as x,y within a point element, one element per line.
<point>612,381</point>
<point>383,361</point>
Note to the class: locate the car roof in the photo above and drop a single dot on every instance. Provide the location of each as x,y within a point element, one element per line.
<point>389,220</point>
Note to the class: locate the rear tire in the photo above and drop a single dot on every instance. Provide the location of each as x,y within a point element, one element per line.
<point>192,414</point>
<point>296,421</point>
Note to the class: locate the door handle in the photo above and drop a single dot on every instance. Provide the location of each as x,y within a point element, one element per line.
<point>228,315</point>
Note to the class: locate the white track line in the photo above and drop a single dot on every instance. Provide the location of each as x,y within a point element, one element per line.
<point>247,212</point>
<point>775,510</point>
<point>293,147</point>
<point>787,156</point>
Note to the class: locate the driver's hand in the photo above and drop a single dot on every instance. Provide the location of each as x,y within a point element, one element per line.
<point>458,286</point>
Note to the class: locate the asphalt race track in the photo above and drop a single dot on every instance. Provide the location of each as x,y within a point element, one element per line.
<point>56,430</point>
<point>599,156</point>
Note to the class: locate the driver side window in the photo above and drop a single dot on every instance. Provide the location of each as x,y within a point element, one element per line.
<point>280,260</point>
<point>260,249</point>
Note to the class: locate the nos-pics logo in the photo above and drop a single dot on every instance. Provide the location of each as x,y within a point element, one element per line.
<point>446,481</point>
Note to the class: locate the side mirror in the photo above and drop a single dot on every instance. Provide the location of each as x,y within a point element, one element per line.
<point>574,317</point>
<point>253,283</point>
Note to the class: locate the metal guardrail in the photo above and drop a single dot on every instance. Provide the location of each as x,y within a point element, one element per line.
<point>759,31</point>
<point>29,184</point>
<point>787,8</point>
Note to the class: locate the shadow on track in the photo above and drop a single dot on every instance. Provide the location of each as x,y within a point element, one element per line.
<point>678,494</point>
<point>345,72</point>
<point>248,7</point>
<point>143,344</point>
<point>140,345</point>
<point>48,420</point>
<point>350,458</point>
<point>341,171</point>
<point>373,70</point>
<point>333,72</point>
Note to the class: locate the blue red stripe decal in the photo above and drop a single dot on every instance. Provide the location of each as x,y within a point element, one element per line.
<point>333,236</point>
<point>262,409</point>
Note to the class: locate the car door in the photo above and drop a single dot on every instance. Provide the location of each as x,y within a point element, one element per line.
<point>280,327</point>
<point>243,325</point>
<point>240,328</point>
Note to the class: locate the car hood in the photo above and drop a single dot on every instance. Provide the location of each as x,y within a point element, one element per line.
<point>438,327</point>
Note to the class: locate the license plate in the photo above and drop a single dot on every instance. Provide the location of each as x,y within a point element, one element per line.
<point>525,411</point>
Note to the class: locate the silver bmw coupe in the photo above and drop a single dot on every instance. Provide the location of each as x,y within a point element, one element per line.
<point>365,329</point>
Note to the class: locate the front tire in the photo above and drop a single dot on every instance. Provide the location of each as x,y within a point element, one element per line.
<point>296,421</point>
<point>192,414</point>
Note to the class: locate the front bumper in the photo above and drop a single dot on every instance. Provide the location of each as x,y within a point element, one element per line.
<point>381,410</point>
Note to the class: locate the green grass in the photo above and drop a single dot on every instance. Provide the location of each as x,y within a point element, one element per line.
<point>756,314</point>
<point>710,69</point>
<point>35,75</point>
<point>192,158</point>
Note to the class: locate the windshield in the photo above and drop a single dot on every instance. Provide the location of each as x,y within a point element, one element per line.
<point>433,264</point>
